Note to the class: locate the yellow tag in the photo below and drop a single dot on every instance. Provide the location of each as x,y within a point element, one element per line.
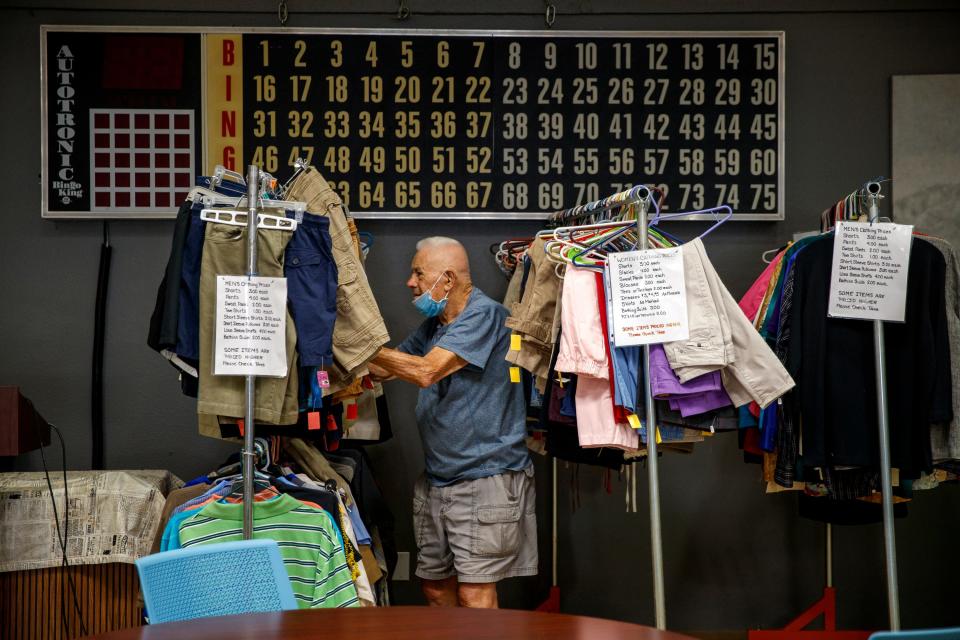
<point>634,421</point>
<point>515,342</point>
<point>659,439</point>
<point>514,374</point>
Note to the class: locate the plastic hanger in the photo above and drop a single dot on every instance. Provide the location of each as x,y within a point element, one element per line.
<point>240,218</point>
<point>299,165</point>
<point>220,172</point>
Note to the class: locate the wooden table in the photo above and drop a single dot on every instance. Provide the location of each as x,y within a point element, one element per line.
<point>395,623</point>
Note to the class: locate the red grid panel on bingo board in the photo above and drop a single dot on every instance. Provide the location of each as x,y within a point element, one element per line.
<point>141,159</point>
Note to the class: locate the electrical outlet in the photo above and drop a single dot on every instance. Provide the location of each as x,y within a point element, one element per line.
<point>402,571</point>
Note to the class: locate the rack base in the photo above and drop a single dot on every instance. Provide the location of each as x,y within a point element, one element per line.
<point>826,607</point>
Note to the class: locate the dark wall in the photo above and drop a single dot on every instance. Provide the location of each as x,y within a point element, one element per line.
<point>734,557</point>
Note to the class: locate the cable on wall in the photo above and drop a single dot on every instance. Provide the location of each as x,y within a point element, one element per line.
<point>99,330</point>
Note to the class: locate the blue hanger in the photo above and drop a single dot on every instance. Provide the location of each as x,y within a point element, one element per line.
<point>597,245</point>
<point>712,210</point>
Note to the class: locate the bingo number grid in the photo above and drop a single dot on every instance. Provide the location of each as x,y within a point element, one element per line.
<point>142,159</point>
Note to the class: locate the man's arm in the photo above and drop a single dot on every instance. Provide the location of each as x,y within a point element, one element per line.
<point>421,371</point>
<point>379,374</point>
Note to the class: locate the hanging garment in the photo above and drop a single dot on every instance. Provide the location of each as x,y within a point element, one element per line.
<point>721,337</point>
<point>752,300</point>
<point>359,330</point>
<point>188,323</point>
<point>833,360</point>
<point>945,436</point>
<point>163,322</point>
<point>537,316</point>
<point>582,341</point>
<point>596,425</point>
<point>224,254</point>
<point>174,499</point>
<point>312,553</point>
<point>698,395</point>
<point>513,294</point>
<point>311,274</point>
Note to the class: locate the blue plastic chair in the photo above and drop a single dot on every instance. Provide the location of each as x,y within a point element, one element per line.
<point>215,580</point>
<point>952,633</point>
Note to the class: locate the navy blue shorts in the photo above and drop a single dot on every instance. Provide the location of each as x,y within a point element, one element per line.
<point>312,289</point>
<point>227,187</point>
<point>188,327</point>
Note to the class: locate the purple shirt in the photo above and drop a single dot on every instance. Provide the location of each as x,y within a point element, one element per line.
<point>699,395</point>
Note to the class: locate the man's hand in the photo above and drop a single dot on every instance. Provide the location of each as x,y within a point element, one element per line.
<point>379,374</point>
<point>421,371</point>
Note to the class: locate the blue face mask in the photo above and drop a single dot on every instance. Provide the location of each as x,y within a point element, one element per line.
<point>426,305</point>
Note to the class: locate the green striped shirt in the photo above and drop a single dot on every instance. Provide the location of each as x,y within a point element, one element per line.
<point>311,551</point>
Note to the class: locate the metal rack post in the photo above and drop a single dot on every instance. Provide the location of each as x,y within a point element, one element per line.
<point>879,350</point>
<point>829,555</point>
<point>656,537</point>
<point>253,200</point>
<point>554,534</point>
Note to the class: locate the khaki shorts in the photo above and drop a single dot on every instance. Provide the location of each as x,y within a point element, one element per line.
<point>224,253</point>
<point>359,330</point>
<point>479,530</point>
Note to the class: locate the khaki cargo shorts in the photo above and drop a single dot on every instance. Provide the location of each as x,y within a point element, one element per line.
<point>479,530</point>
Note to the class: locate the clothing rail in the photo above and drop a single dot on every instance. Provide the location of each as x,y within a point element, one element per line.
<point>642,197</point>
<point>872,192</point>
<point>249,448</point>
<point>631,196</point>
<point>656,537</point>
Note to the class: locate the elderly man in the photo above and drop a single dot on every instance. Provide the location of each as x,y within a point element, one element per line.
<point>474,508</point>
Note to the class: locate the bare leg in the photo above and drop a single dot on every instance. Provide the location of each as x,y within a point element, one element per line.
<point>440,593</point>
<point>478,596</point>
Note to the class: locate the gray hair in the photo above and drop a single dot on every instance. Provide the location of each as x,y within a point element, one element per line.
<point>435,242</point>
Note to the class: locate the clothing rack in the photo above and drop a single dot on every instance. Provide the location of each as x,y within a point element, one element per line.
<point>249,448</point>
<point>851,208</point>
<point>871,191</point>
<point>640,196</point>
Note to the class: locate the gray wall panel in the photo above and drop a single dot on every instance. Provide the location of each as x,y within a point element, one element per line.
<point>734,557</point>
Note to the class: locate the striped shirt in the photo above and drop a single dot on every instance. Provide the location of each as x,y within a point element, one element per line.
<point>312,553</point>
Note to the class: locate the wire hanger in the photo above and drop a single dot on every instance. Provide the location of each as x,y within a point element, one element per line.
<point>715,211</point>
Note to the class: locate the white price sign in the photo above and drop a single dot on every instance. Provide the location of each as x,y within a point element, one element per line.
<point>868,280</point>
<point>648,296</point>
<point>251,327</point>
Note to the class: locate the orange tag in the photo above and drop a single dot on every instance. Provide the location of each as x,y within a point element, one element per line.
<point>514,374</point>
<point>240,426</point>
<point>313,421</point>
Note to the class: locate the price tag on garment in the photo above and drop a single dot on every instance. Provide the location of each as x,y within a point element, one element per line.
<point>251,327</point>
<point>648,296</point>
<point>515,374</point>
<point>868,280</point>
<point>634,421</point>
<point>515,342</point>
<point>323,379</point>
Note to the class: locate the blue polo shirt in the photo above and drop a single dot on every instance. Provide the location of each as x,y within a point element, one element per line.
<point>473,422</point>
